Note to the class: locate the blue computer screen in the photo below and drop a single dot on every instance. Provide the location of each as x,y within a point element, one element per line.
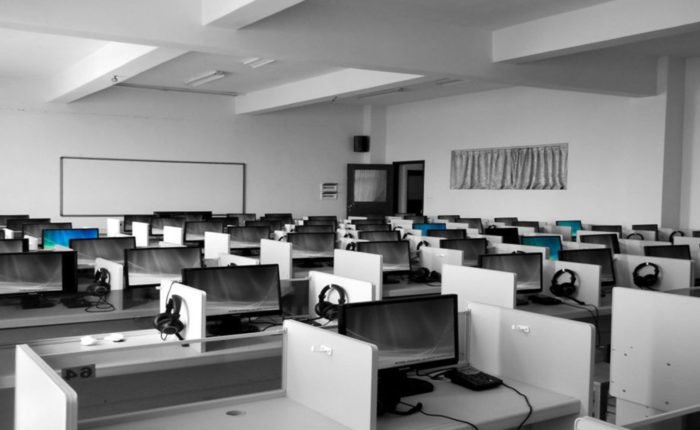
<point>62,237</point>
<point>574,224</point>
<point>428,226</point>
<point>551,242</point>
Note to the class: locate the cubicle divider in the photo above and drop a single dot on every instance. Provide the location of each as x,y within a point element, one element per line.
<point>472,284</point>
<point>636,246</point>
<point>462,226</point>
<point>32,242</point>
<point>654,357</point>
<point>355,290</point>
<point>173,235</point>
<point>580,245</point>
<point>509,248</point>
<point>114,227</point>
<point>237,260</point>
<point>587,280</point>
<point>276,252</point>
<point>648,235</point>
<point>216,245</point>
<point>694,245</point>
<point>141,231</point>
<point>674,273</point>
<point>360,265</point>
<point>510,343</point>
<point>9,234</point>
<point>563,231</point>
<point>434,258</point>
<point>193,312</point>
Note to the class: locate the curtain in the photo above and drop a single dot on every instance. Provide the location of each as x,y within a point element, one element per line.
<point>543,167</point>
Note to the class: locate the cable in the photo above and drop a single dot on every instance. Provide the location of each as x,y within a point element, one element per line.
<point>440,415</point>
<point>595,314</point>
<point>101,305</point>
<point>529,406</point>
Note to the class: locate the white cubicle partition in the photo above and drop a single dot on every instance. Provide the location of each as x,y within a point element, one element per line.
<point>462,226</point>
<point>355,290</point>
<point>237,260</point>
<point>472,284</point>
<point>215,245</point>
<point>492,240</point>
<point>510,343</point>
<point>590,423</point>
<point>192,313</point>
<point>276,252</point>
<point>587,280</point>
<point>402,223</point>
<point>43,401</point>
<point>646,234</point>
<point>173,235</point>
<point>564,231</point>
<point>140,230</point>
<point>580,245</point>
<point>675,273</point>
<point>9,234</point>
<point>636,246</point>
<point>433,258</point>
<point>694,245</point>
<point>430,240</point>
<point>114,227</point>
<point>360,265</point>
<point>509,248</point>
<point>33,242</point>
<point>654,353</point>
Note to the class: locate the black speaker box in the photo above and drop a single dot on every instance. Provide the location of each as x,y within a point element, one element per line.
<point>360,143</point>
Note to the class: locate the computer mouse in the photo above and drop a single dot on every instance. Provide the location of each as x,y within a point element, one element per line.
<point>115,337</point>
<point>88,340</point>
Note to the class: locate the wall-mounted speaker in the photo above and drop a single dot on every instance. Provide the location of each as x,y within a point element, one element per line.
<point>360,143</point>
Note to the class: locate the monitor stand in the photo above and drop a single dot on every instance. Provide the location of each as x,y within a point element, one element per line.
<point>35,301</point>
<point>521,300</point>
<point>222,325</point>
<point>393,384</point>
<point>390,278</point>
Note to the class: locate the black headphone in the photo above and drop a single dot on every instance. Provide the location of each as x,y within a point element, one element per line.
<point>424,275</point>
<point>629,236</point>
<point>649,280</point>
<point>100,285</point>
<point>405,235</point>
<point>351,246</point>
<point>326,309</point>
<point>563,289</point>
<point>674,234</point>
<point>168,322</point>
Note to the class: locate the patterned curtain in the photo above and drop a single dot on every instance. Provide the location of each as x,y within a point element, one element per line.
<point>543,167</point>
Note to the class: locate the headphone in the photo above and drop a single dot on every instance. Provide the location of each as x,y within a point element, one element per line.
<point>563,289</point>
<point>629,236</point>
<point>649,280</point>
<point>421,243</point>
<point>168,322</point>
<point>326,309</point>
<point>351,246</point>
<point>674,234</point>
<point>424,275</point>
<point>100,285</point>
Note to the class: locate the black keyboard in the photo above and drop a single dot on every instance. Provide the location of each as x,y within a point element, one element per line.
<point>541,299</point>
<point>473,379</point>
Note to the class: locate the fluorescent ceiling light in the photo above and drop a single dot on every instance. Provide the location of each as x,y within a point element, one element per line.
<point>256,62</point>
<point>205,78</point>
<point>446,82</point>
<point>382,93</point>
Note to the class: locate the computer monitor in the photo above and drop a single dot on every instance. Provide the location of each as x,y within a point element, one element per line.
<point>109,248</point>
<point>187,215</point>
<point>526,266</point>
<point>31,275</point>
<point>194,230</point>
<point>14,245</point>
<point>225,220</point>
<point>509,234</point>
<point>507,220</point>
<point>37,230</point>
<point>609,240</point>
<point>242,218</point>
<point>533,224</point>
<point>452,233</point>
<point>574,225</point>
<point>332,218</point>
<point>323,228</point>
<point>17,223</point>
<point>602,257</point>
<point>322,222</point>
<point>471,249</point>
<point>448,218</point>
<point>472,223</point>
<point>147,267</point>
<point>552,242</point>
<point>417,219</point>
<point>613,228</point>
<point>424,227</point>
<point>52,238</point>
<point>681,252</point>
<point>410,333</point>
<point>282,216</point>
<point>396,255</point>
<point>274,223</point>
<point>647,227</point>
<point>158,223</point>
<point>312,246</point>
<point>4,218</point>
<point>379,236</point>
<point>238,291</point>
<point>128,219</point>
<point>246,237</point>
<point>367,221</point>
<point>372,227</point>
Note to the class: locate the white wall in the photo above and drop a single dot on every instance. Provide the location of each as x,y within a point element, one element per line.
<point>615,144</point>
<point>288,154</point>
<point>690,200</point>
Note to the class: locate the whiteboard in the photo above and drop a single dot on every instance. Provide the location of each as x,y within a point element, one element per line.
<point>112,186</point>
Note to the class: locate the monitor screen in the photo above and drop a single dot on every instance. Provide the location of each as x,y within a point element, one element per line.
<point>312,245</point>
<point>471,249</point>
<point>332,223</point>
<point>453,233</point>
<point>109,248</point>
<point>242,218</point>
<point>552,242</point>
<point>194,230</point>
<point>396,255</point>
<point>614,228</point>
<point>507,220</point>
<point>372,227</point>
<point>281,216</point>
<point>681,252</point>
<point>367,221</point>
<point>14,245</point>
<point>379,236</point>
<point>322,218</point>
<point>417,219</point>
<point>574,225</point>
<point>238,290</point>
<point>37,230</point>
<point>647,227</point>
<point>62,237</point>
<point>413,332</point>
<point>310,228</point>
<point>128,219</point>
<point>472,223</point>
<point>526,266</point>
<point>37,272</point>
<point>17,223</point>
<point>248,236</point>
<point>147,267</point>
<point>158,223</point>
<point>509,234</point>
<point>4,218</point>
<point>187,215</point>
<point>609,240</point>
<point>424,227</point>
<point>448,218</point>
<point>602,257</point>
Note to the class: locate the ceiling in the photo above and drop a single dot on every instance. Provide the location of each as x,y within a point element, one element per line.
<point>359,51</point>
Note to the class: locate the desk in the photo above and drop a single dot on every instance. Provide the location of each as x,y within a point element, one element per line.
<point>407,288</point>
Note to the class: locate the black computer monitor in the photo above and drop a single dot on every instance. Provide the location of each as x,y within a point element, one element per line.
<point>602,257</point>
<point>282,215</point>
<point>374,221</point>
<point>552,242</point>
<point>681,252</point>
<point>451,233</point>
<point>312,247</point>
<point>448,218</point>
<point>471,249</point>
<point>37,230</point>
<point>147,267</point>
<point>379,236</point>
<point>509,234</point>
<point>226,221</point>
<point>242,218</point>
<point>109,248</point>
<point>526,266</point>
<point>187,215</point>
<point>533,224</point>
<point>472,223</point>
<point>4,218</point>
<point>647,227</point>
<point>424,227</point>
<point>14,245</point>
<point>609,240</point>
<point>238,291</point>
<point>396,256</point>
<point>373,227</point>
<point>128,219</point>
<point>507,220</point>
<point>194,230</point>
<point>574,225</point>
<point>323,228</point>
<point>159,223</point>
<point>17,223</point>
<point>410,333</point>
<point>247,237</point>
<point>32,275</point>
<point>52,238</point>
<point>613,228</point>
<point>417,219</point>
<point>322,222</point>
<point>332,218</point>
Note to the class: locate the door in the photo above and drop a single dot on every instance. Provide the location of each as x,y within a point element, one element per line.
<point>370,189</point>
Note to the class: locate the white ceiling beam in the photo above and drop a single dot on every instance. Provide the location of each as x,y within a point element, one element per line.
<point>344,82</point>
<point>605,25</point>
<point>97,71</point>
<point>237,14</point>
